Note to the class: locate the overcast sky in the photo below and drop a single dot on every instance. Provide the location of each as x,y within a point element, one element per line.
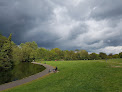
<point>93,25</point>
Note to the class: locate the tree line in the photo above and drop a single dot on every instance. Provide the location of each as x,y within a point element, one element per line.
<point>11,54</point>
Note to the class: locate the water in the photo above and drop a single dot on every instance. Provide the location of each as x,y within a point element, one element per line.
<point>20,71</point>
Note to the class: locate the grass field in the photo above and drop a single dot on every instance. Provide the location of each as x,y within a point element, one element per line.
<point>78,76</point>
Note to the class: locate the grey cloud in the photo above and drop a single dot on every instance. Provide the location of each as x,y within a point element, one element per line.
<point>18,17</point>
<point>109,9</point>
<point>68,24</point>
<point>114,41</point>
<point>76,31</point>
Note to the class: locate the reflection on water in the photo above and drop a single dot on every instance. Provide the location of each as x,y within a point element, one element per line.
<point>20,71</point>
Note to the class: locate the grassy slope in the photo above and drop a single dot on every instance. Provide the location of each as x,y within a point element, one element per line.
<point>78,76</point>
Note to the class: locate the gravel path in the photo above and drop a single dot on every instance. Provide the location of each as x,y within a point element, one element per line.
<point>27,79</point>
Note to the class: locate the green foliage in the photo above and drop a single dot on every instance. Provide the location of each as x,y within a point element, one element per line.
<point>57,54</point>
<point>25,52</point>
<point>68,55</point>
<point>102,55</point>
<point>120,54</point>
<point>28,51</point>
<point>110,56</point>
<point>93,56</point>
<point>42,53</point>
<point>5,53</point>
<point>2,40</point>
<point>115,56</point>
<point>17,54</point>
<point>83,54</point>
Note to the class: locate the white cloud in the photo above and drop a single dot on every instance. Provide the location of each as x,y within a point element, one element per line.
<point>110,49</point>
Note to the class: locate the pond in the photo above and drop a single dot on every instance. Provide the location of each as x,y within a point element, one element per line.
<point>21,70</point>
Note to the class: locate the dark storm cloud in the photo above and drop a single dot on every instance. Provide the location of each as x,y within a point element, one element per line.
<point>18,17</point>
<point>70,24</point>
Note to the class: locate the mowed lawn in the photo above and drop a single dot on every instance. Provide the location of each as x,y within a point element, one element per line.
<point>78,76</point>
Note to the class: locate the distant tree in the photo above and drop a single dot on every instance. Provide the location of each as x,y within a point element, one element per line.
<point>83,54</point>
<point>17,54</point>
<point>116,56</point>
<point>67,55</point>
<point>93,56</point>
<point>102,55</point>
<point>43,53</point>
<point>72,55</point>
<point>110,56</point>
<point>57,53</point>
<point>28,51</point>
<point>120,54</point>
<point>77,55</point>
<point>61,55</point>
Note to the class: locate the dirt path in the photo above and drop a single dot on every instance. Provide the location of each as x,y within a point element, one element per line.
<point>27,79</point>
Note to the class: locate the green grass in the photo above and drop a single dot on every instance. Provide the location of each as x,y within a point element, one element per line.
<point>78,76</point>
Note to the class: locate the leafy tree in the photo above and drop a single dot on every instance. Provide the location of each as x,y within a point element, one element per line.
<point>52,55</point>
<point>33,54</point>
<point>42,53</point>
<point>2,40</point>
<point>66,55</point>
<point>72,55</point>
<point>69,55</point>
<point>120,54</point>
<point>17,54</point>
<point>28,51</point>
<point>5,53</point>
<point>83,54</point>
<point>102,55</point>
<point>116,56</point>
<point>61,55</point>
<point>110,56</point>
<point>93,56</point>
<point>58,54</point>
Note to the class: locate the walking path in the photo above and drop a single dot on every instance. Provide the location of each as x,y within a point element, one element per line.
<point>27,79</point>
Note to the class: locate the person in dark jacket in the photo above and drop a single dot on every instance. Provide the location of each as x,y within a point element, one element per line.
<point>56,68</point>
